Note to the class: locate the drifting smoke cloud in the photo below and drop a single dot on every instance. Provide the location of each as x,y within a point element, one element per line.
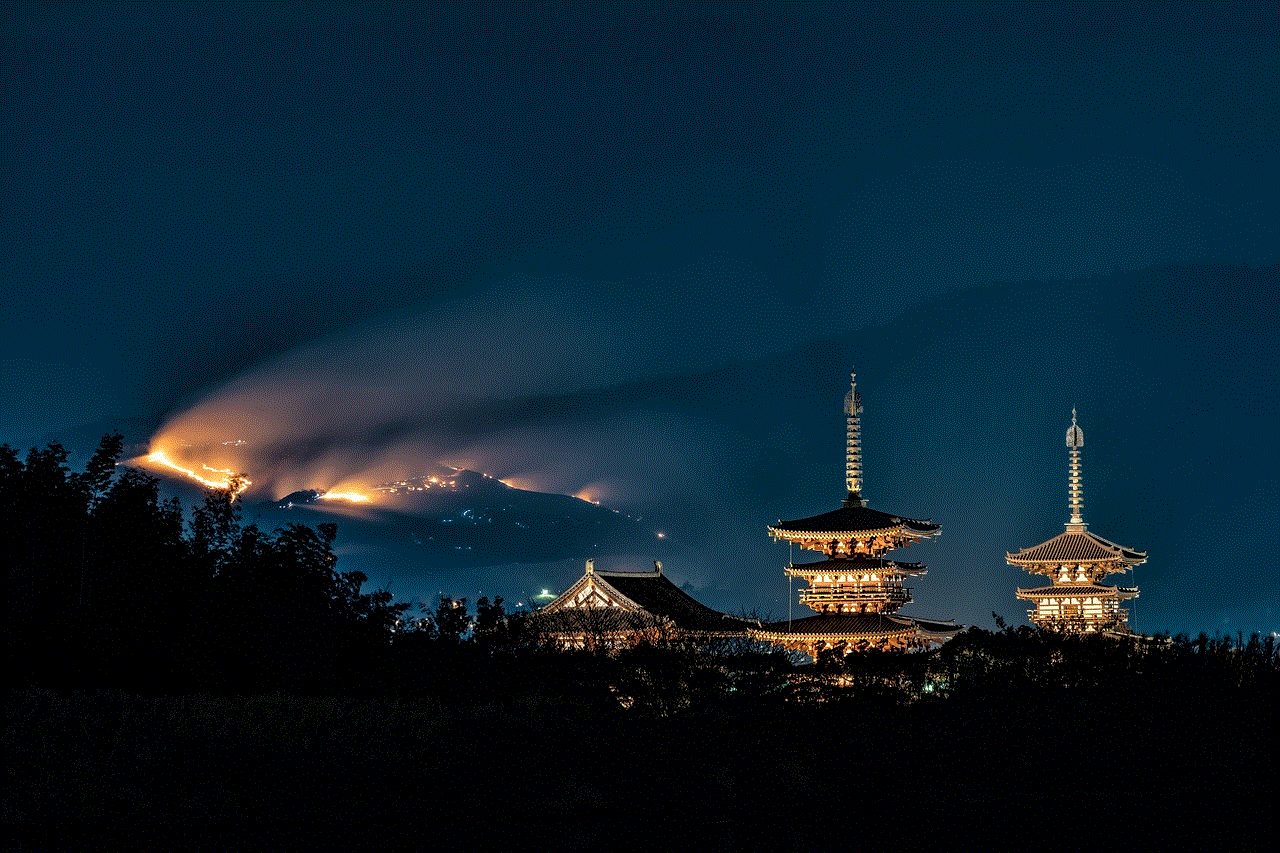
<point>534,389</point>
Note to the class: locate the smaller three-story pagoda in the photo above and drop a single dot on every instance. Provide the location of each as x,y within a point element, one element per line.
<point>1076,561</point>
<point>857,589</point>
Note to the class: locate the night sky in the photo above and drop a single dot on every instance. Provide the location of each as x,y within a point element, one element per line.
<point>632,254</point>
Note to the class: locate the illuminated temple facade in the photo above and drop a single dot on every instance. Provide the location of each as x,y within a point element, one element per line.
<point>611,609</point>
<point>1076,561</point>
<point>856,589</point>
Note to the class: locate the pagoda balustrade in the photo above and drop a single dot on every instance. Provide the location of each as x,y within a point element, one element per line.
<point>1118,617</point>
<point>873,548</point>
<point>1120,614</point>
<point>900,594</point>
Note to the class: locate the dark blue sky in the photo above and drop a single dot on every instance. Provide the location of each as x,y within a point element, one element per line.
<point>478,203</point>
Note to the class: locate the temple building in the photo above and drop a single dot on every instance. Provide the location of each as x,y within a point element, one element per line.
<point>856,589</point>
<point>1076,561</point>
<point>613,609</point>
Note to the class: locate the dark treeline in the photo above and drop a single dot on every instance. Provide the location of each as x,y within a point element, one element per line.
<point>110,585</point>
<point>171,668</point>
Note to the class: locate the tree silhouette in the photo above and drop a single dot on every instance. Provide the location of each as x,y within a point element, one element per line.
<point>108,585</point>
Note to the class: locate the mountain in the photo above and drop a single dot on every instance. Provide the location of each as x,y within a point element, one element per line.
<point>466,533</point>
<point>967,397</point>
<point>476,520</point>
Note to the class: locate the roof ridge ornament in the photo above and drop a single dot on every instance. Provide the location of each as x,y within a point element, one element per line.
<point>1075,479</point>
<point>853,444</point>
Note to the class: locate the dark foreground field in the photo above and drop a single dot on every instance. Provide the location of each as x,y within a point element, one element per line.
<point>674,746</point>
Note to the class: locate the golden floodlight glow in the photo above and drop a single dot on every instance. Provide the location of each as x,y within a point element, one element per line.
<point>160,458</point>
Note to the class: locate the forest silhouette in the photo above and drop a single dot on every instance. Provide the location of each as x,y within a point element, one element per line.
<point>168,667</point>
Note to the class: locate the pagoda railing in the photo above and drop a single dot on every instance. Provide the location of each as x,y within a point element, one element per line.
<point>883,575</point>
<point>1118,616</point>
<point>902,593</point>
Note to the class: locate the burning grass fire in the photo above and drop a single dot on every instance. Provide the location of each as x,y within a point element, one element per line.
<point>226,480</point>
<point>291,470</point>
<point>351,497</point>
<point>191,462</point>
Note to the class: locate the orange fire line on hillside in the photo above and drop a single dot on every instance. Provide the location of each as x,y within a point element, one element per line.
<point>159,457</point>
<point>225,475</point>
<point>353,497</point>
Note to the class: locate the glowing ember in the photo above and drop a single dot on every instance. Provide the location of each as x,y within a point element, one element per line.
<point>160,458</point>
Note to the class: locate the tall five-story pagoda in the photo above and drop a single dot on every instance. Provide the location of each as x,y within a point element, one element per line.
<point>856,590</point>
<point>1076,561</point>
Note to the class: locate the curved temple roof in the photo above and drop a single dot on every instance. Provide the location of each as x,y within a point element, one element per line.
<point>648,594</point>
<point>1078,591</point>
<point>853,522</point>
<point>655,593</point>
<point>1077,546</point>
<point>840,625</point>
<point>845,626</point>
<point>855,565</point>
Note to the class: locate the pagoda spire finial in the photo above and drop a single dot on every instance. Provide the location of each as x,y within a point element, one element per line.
<point>853,444</point>
<point>1075,479</point>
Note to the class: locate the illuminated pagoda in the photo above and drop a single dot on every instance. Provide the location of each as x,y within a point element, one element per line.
<point>609,609</point>
<point>856,590</point>
<point>1076,561</point>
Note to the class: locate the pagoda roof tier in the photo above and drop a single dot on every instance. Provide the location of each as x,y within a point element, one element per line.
<point>855,566</point>
<point>1076,546</point>
<point>837,626</point>
<point>853,522</point>
<point>1067,590</point>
